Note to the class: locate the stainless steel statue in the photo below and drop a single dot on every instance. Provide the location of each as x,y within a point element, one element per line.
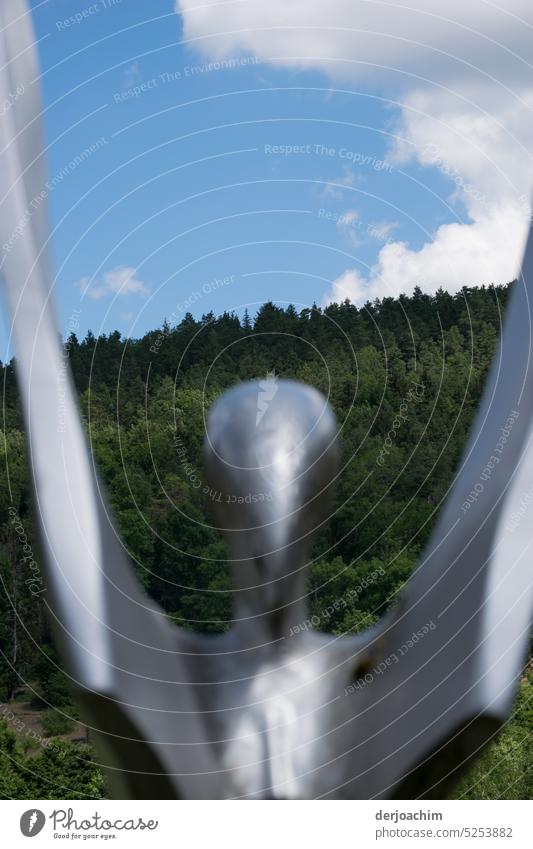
<point>270,710</point>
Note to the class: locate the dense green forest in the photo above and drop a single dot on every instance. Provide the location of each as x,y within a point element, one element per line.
<point>424,355</point>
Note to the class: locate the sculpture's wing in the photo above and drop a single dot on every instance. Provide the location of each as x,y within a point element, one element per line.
<point>442,676</point>
<point>119,649</point>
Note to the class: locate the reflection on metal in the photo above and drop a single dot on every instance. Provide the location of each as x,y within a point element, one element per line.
<point>272,709</point>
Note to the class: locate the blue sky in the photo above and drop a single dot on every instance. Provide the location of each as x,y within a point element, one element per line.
<point>219,186</point>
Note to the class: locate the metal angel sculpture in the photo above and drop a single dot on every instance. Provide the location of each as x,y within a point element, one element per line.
<point>267,710</point>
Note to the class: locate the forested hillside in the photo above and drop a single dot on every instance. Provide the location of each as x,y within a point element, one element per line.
<point>404,377</point>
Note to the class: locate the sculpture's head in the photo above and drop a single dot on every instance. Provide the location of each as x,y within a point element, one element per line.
<point>271,458</point>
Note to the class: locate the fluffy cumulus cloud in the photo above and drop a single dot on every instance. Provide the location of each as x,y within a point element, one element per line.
<point>121,281</point>
<point>460,74</point>
<point>459,255</point>
<point>487,162</point>
<point>356,38</point>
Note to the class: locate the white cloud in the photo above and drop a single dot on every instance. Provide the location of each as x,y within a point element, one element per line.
<point>121,281</point>
<point>488,166</point>
<point>459,255</point>
<point>132,75</point>
<point>349,225</point>
<point>335,188</point>
<point>464,88</point>
<point>381,230</point>
<point>482,143</point>
<point>355,38</point>
<point>356,231</point>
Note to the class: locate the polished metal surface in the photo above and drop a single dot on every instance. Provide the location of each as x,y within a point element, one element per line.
<point>271,709</point>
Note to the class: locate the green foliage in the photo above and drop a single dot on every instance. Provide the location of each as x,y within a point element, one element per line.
<point>505,771</point>
<point>65,771</point>
<point>424,356</point>
<point>53,688</point>
<point>55,723</point>
<point>12,783</point>
<point>60,771</point>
